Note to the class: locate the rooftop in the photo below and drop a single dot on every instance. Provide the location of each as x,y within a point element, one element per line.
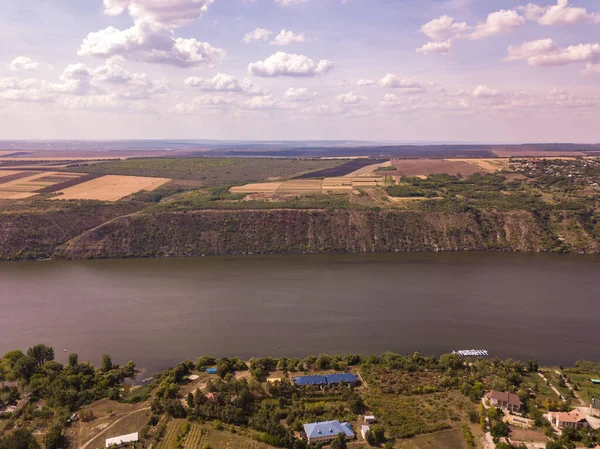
<point>509,398</point>
<point>573,416</point>
<point>129,438</point>
<point>327,428</point>
<point>327,379</point>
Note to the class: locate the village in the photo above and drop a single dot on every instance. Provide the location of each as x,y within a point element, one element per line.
<point>388,401</point>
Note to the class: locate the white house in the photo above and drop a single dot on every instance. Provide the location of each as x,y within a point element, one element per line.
<point>123,439</point>
<point>326,431</point>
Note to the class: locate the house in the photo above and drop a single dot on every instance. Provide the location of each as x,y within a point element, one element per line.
<point>329,379</point>
<point>326,431</point>
<point>363,431</point>
<point>274,380</point>
<point>574,419</point>
<point>370,419</point>
<point>122,440</point>
<point>595,407</point>
<point>505,401</point>
<point>212,397</point>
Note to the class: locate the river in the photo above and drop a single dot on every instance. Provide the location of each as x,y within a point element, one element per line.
<point>161,311</point>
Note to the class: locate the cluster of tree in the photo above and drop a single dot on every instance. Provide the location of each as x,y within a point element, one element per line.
<point>224,366</point>
<point>71,385</point>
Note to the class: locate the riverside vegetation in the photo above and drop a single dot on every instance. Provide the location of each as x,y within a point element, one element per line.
<point>536,206</point>
<point>411,395</point>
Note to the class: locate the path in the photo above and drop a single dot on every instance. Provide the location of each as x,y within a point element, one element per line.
<point>581,401</point>
<point>112,425</point>
<point>551,386</point>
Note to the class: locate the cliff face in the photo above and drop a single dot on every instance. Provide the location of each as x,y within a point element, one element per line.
<point>298,231</point>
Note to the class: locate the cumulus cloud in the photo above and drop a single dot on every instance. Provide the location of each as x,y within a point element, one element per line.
<point>286,37</point>
<point>298,94</point>
<point>435,47</point>
<point>257,35</point>
<point>366,82</point>
<point>485,92</point>
<point>264,102</point>
<point>559,14</point>
<point>498,22</point>
<point>222,82</point>
<point>351,98</point>
<point>286,64</point>
<point>23,63</point>
<point>443,28</point>
<point>392,81</point>
<point>171,13</point>
<point>145,42</point>
<point>592,69</point>
<point>289,2</point>
<point>546,53</point>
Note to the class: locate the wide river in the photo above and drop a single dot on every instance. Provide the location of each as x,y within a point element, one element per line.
<point>161,311</point>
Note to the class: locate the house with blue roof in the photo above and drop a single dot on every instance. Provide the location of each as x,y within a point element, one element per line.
<point>329,379</point>
<point>326,431</point>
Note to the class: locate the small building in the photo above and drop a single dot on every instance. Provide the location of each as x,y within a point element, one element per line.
<point>370,419</point>
<point>326,431</point>
<point>595,407</point>
<point>519,421</point>
<point>211,370</point>
<point>505,401</point>
<point>310,380</point>
<point>274,380</point>
<point>363,431</point>
<point>574,419</point>
<point>212,397</point>
<point>122,440</point>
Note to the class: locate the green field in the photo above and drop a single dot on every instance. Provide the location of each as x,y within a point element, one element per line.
<point>448,439</point>
<point>581,376</point>
<point>210,171</point>
<point>543,391</point>
<point>200,436</point>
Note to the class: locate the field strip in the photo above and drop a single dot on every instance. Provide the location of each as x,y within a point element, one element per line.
<point>4,195</point>
<point>21,183</point>
<point>368,169</point>
<point>110,188</point>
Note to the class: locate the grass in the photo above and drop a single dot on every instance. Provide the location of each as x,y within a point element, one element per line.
<point>580,376</point>
<point>169,440</point>
<point>543,391</point>
<point>448,439</point>
<point>551,375</point>
<point>210,171</point>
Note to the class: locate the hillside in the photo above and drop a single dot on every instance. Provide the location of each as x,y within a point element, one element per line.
<point>170,234</point>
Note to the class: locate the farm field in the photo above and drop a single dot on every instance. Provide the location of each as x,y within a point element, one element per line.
<point>342,169</point>
<point>199,436</point>
<point>211,172</point>
<point>110,188</point>
<point>307,186</point>
<point>25,184</point>
<point>489,165</point>
<point>447,439</point>
<point>416,167</point>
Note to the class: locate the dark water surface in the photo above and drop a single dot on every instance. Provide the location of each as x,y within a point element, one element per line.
<point>161,311</point>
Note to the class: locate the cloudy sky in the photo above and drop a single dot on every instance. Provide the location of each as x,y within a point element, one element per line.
<point>405,70</point>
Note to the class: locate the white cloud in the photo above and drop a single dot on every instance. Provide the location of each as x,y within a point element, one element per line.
<point>149,43</point>
<point>289,2</point>
<point>498,22</point>
<point>298,94</point>
<point>545,53</point>
<point>559,14</point>
<point>23,63</point>
<point>286,64</point>
<point>286,37</point>
<point>392,81</point>
<point>435,47</point>
<point>170,13</point>
<point>592,69</point>
<point>530,49</point>
<point>366,82</point>
<point>443,28</point>
<point>264,102</point>
<point>222,82</point>
<point>351,98</point>
<point>485,92</point>
<point>259,34</point>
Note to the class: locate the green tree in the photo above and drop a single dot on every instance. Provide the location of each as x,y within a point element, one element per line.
<point>54,438</point>
<point>25,368</point>
<point>41,354</point>
<point>106,363</point>
<point>339,442</point>
<point>20,439</point>
<point>73,359</point>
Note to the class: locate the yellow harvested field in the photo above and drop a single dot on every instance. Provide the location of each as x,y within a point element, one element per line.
<point>4,173</point>
<point>110,188</point>
<point>368,170</point>
<point>265,187</point>
<point>489,165</point>
<point>300,186</point>
<point>5,195</point>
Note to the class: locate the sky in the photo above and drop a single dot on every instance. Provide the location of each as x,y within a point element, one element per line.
<point>386,70</point>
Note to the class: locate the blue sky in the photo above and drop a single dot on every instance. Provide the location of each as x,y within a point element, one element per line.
<point>431,70</point>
